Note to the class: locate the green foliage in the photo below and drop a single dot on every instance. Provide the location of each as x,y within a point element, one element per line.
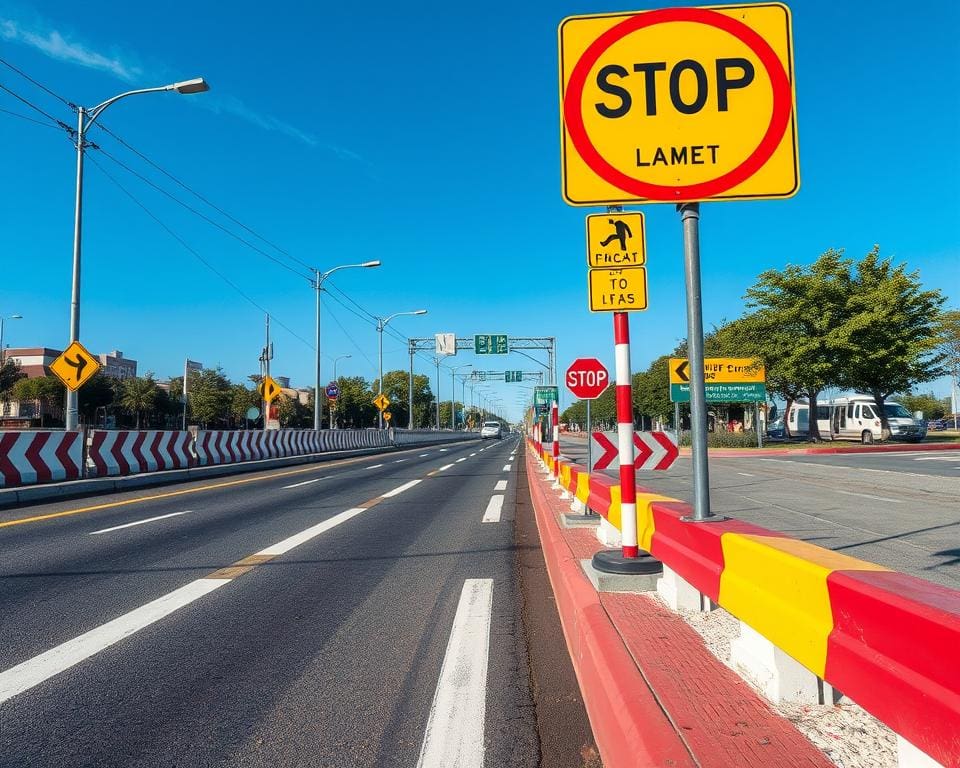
<point>932,407</point>
<point>396,386</point>
<point>243,398</point>
<point>355,408</point>
<point>100,391</point>
<point>48,391</point>
<point>651,391</point>
<point>10,374</point>
<point>210,397</point>
<point>948,334</point>
<point>718,439</point>
<point>138,396</point>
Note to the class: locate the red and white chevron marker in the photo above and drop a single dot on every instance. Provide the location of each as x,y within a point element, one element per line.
<point>555,420</point>
<point>652,450</point>
<point>628,474</point>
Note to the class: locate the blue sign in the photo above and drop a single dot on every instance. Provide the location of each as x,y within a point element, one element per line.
<point>333,390</point>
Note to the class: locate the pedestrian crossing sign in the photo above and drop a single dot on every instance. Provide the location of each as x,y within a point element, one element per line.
<point>616,240</point>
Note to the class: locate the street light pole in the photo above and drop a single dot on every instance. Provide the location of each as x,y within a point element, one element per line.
<point>381,324</point>
<point>317,283</point>
<point>453,394</point>
<point>85,119</point>
<point>3,351</point>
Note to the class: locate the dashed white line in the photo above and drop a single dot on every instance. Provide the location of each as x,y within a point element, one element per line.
<point>444,467</point>
<point>937,458</point>
<point>745,474</point>
<point>282,547</point>
<point>400,489</point>
<point>454,733</point>
<point>868,496</point>
<point>34,671</point>
<point>399,461</point>
<point>506,467</point>
<point>494,508</point>
<point>305,482</point>
<point>443,450</point>
<point>422,455</point>
<point>138,522</point>
<point>474,453</point>
<point>375,466</point>
<point>501,485</point>
<point>460,459</point>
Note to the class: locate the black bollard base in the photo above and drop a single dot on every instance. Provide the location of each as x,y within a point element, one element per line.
<point>613,561</point>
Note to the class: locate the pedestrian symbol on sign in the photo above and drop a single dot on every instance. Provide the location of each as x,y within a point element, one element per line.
<point>621,233</point>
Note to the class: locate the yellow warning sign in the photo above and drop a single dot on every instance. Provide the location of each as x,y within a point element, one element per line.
<point>617,290</point>
<point>720,370</point>
<point>387,415</point>
<point>616,240</point>
<point>381,401</point>
<point>75,366</point>
<point>678,105</point>
<point>268,389</point>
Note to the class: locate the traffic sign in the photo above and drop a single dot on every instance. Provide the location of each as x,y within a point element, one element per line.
<point>333,390</point>
<point>678,105</point>
<point>652,450</point>
<point>75,366</point>
<point>616,240</point>
<point>382,402</point>
<point>490,344</point>
<point>587,378</point>
<point>617,290</point>
<point>268,389</point>
<point>728,380</point>
<point>446,343</point>
<point>512,376</point>
<point>543,396</point>
<point>387,415</point>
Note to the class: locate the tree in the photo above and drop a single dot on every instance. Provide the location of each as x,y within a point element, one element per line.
<point>651,391</point>
<point>10,374</point>
<point>893,334</point>
<point>100,391</point>
<point>799,326</point>
<point>47,391</point>
<point>932,406</point>
<point>396,386</point>
<point>210,397</point>
<point>138,395</point>
<point>355,408</point>
<point>242,398</point>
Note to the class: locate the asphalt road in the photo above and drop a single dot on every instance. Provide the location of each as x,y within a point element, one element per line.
<point>356,613</point>
<point>900,509</point>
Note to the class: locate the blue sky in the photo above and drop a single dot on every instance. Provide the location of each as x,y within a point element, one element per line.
<point>425,135</point>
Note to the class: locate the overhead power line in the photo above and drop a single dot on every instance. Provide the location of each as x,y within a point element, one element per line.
<point>31,119</point>
<point>37,109</point>
<point>197,255</point>
<point>39,85</point>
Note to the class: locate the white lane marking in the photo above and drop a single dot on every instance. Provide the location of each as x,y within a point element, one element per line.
<point>375,466</point>
<point>444,467</point>
<point>400,489</point>
<point>305,482</point>
<point>454,733</point>
<point>474,453</point>
<point>937,458</point>
<point>459,460</point>
<point>34,671</point>
<point>745,474</point>
<point>494,508</point>
<point>501,485</point>
<point>443,450</point>
<point>868,496</point>
<point>138,522</point>
<point>399,461</point>
<point>506,467</point>
<point>845,467</point>
<point>282,547</point>
<point>422,455</point>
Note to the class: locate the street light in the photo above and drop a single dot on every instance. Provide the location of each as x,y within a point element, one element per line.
<point>85,119</point>
<point>317,284</point>
<point>3,351</point>
<point>381,324</point>
<point>337,359</point>
<point>453,394</point>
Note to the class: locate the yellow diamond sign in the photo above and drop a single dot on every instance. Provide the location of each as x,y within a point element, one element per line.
<point>387,415</point>
<point>381,401</point>
<point>268,389</point>
<point>75,366</point>
<point>678,105</point>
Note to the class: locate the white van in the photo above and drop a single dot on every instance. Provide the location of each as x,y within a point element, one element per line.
<point>855,418</point>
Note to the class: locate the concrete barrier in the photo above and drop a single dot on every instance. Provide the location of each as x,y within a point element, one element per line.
<point>39,457</point>
<point>119,453</point>
<point>885,639</point>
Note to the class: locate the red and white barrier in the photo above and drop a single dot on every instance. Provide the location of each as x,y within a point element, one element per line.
<point>27,458</point>
<point>115,453</point>
<point>628,473</point>
<point>228,446</point>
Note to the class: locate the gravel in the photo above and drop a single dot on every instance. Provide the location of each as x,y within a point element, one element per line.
<point>846,733</point>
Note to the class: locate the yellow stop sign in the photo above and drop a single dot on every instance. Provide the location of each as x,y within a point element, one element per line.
<point>678,105</point>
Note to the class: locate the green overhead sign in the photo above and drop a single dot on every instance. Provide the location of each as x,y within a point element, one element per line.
<point>490,344</point>
<point>512,376</point>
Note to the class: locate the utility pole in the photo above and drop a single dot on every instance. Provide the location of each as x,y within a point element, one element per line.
<point>267,354</point>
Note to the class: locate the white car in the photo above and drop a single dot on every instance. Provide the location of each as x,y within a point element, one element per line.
<point>491,429</point>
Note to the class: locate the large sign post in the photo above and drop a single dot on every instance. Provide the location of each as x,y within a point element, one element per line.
<point>679,105</point>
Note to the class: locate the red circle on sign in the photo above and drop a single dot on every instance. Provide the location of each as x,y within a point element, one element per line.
<point>779,118</point>
<point>587,378</point>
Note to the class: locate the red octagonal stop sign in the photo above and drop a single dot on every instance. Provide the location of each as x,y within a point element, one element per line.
<point>587,378</point>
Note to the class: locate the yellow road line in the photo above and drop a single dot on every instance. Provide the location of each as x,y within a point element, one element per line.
<point>170,494</point>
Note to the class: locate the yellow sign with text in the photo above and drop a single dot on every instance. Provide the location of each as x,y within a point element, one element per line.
<point>616,240</point>
<point>75,366</point>
<point>678,105</point>
<point>720,370</point>
<point>617,290</point>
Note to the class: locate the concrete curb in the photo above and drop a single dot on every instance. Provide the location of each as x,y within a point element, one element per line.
<point>628,722</point>
<point>33,494</point>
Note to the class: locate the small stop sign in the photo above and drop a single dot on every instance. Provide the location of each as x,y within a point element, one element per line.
<point>587,378</point>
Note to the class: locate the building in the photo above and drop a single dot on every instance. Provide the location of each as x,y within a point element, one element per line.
<point>34,361</point>
<point>116,366</point>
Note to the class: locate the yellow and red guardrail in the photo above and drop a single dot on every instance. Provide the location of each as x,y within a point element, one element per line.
<point>887,640</point>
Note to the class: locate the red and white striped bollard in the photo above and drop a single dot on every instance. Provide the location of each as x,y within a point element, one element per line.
<point>628,474</point>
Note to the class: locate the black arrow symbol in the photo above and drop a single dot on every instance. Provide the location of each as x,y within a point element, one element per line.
<point>80,363</point>
<point>681,370</point>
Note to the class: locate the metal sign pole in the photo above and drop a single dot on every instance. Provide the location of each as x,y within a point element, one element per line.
<point>690,217</point>
<point>759,432</point>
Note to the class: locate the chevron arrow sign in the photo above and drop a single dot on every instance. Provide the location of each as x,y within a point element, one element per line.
<point>651,450</point>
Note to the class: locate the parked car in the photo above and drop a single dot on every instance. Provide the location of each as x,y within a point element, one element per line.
<point>775,429</point>
<point>937,425</point>
<point>491,429</point>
